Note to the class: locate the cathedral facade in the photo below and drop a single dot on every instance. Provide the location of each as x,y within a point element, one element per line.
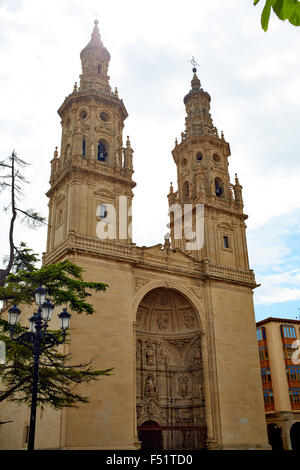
<point>177,320</point>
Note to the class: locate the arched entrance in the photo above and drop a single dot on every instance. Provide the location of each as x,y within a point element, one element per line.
<point>150,435</point>
<point>275,436</point>
<point>295,436</point>
<point>169,371</point>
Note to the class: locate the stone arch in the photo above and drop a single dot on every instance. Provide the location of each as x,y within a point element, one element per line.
<point>185,291</point>
<point>169,368</point>
<point>295,436</point>
<point>275,436</point>
<point>150,435</point>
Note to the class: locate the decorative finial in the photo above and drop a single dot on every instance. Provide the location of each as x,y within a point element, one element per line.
<point>75,88</point>
<point>167,240</point>
<point>55,153</point>
<point>128,142</point>
<point>176,142</point>
<point>222,135</point>
<point>171,188</point>
<point>236,179</point>
<point>194,64</point>
<point>116,91</point>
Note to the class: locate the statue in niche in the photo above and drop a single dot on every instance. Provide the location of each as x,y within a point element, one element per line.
<point>163,320</point>
<point>150,388</point>
<point>162,357</point>
<point>149,354</point>
<point>198,385</point>
<point>187,441</point>
<point>183,385</point>
<point>150,408</point>
<point>197,354</point>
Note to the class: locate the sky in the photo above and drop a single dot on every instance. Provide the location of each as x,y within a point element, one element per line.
<point>253,78</point>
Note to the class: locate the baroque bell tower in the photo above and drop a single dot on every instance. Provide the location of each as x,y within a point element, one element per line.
<point>94,169</point>
<point>203,179</point>
<point>176,324</point>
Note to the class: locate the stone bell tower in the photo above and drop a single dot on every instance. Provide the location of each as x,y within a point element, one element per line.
<point>176,324</point>
<point>203,178</point>
<point>93,169</point>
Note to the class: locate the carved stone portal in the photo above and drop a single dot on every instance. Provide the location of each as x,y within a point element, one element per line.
<point>169,371</point>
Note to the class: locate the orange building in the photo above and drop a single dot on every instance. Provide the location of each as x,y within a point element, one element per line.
<point>279,353</point>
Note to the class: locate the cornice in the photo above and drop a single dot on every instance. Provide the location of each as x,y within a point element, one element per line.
<point>77,244</point>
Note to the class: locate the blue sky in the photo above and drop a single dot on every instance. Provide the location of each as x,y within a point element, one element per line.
<point>254,82</point>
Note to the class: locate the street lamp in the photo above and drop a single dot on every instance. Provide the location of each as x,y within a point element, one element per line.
<point>37,339</point>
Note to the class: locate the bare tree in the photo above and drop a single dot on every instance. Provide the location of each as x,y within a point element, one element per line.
<point>13,180</point>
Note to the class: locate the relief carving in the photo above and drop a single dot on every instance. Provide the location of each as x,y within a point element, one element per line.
<point>163,320</point>
<point>187,440</point>
<point>151,388</point>
<point>149,354</point>
<point>183,385</point>
<point>179,344</point>
<point>189,319</point>
<point>140,281</point>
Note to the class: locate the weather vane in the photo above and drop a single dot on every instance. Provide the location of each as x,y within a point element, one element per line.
<point>194,64</point>
<point>96,16</point>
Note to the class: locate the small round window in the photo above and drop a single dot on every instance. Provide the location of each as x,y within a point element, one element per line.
<point>216,158</point>
<point>199,157</point>
<point>104,117</point>
<point>83,115</point>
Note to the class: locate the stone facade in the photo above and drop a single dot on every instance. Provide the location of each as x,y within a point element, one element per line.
<point>176,324</point>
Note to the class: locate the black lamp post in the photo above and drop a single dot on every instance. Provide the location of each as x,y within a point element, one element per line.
<point>37,339</point>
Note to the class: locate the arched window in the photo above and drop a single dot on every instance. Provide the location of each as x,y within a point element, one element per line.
<point>186,191</point>
<point>99,68</point>
<point>219,187</point>
<point>83,148</point>
<point>102,152</point>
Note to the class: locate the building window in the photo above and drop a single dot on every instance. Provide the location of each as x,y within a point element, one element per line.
<point>261,333</point>
<point>102,211</point>
<point>219,187</point>
<point>226,242</point>
<point>289,350</point>
<point>102,152</point>
<point>99,68</point>
<point>295,395</point>
<point>288,331</point>
<point>263,353</point>
<point>268,397</point>
<point>293,373</point>
<point>83,148</point>
<point>265,375</point>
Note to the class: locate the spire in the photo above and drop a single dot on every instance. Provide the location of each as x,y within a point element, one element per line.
<point>96,39</point>
<point>197,103</point>
<point>95,61</point>
<point>196,85</point>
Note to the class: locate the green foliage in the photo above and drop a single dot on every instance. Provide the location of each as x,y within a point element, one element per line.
<point>284,9</point>
<point>24,259</point>
<point>63,281</point>
<point>57,377</point>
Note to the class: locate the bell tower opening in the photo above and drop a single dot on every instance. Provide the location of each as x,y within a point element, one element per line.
<point>169,372</point>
